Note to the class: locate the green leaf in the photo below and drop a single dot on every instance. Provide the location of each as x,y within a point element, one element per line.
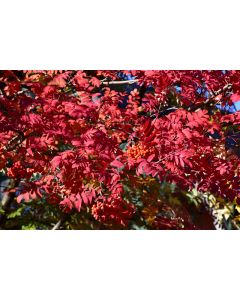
<point>2,211</point>
<point>16,213</point>
<point>29,227</point>
<point>123,146</point>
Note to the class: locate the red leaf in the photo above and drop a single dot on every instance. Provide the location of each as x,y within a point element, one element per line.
<point>235,97</point>
<point>150,158</point>
<point>29,151</point>
<point>55,162</point>
<point>78,202</point>
<point>84,197</point>
<point>187,133</point>
<point>181,162</point>
<point>24,196</point>
<point>117,164</point>
<point>95,81</point>
<point>20,198</point>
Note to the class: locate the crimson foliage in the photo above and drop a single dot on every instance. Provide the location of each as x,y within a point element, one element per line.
<point>74,137</point>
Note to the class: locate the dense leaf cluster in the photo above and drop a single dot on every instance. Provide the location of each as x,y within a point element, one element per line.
<point>82,141</point>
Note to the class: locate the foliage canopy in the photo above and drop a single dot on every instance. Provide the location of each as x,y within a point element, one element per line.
<point>119,149</point>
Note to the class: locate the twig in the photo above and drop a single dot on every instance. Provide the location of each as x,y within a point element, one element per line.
<point>226,88</point>
<point>14,142</point>
<point>132,81</point>
<point>60,222</point>
<point>57,225</point>
<point>235,225</point>
<point>214,94</point>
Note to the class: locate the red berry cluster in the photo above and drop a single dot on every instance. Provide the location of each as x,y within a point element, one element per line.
<point>139,150</point>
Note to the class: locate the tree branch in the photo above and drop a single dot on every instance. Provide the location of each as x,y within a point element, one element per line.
<point>214,94</point>
<point>57,225</point>
<point>14,142</point>
<point>60,222</point>
<point>132,81</point>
